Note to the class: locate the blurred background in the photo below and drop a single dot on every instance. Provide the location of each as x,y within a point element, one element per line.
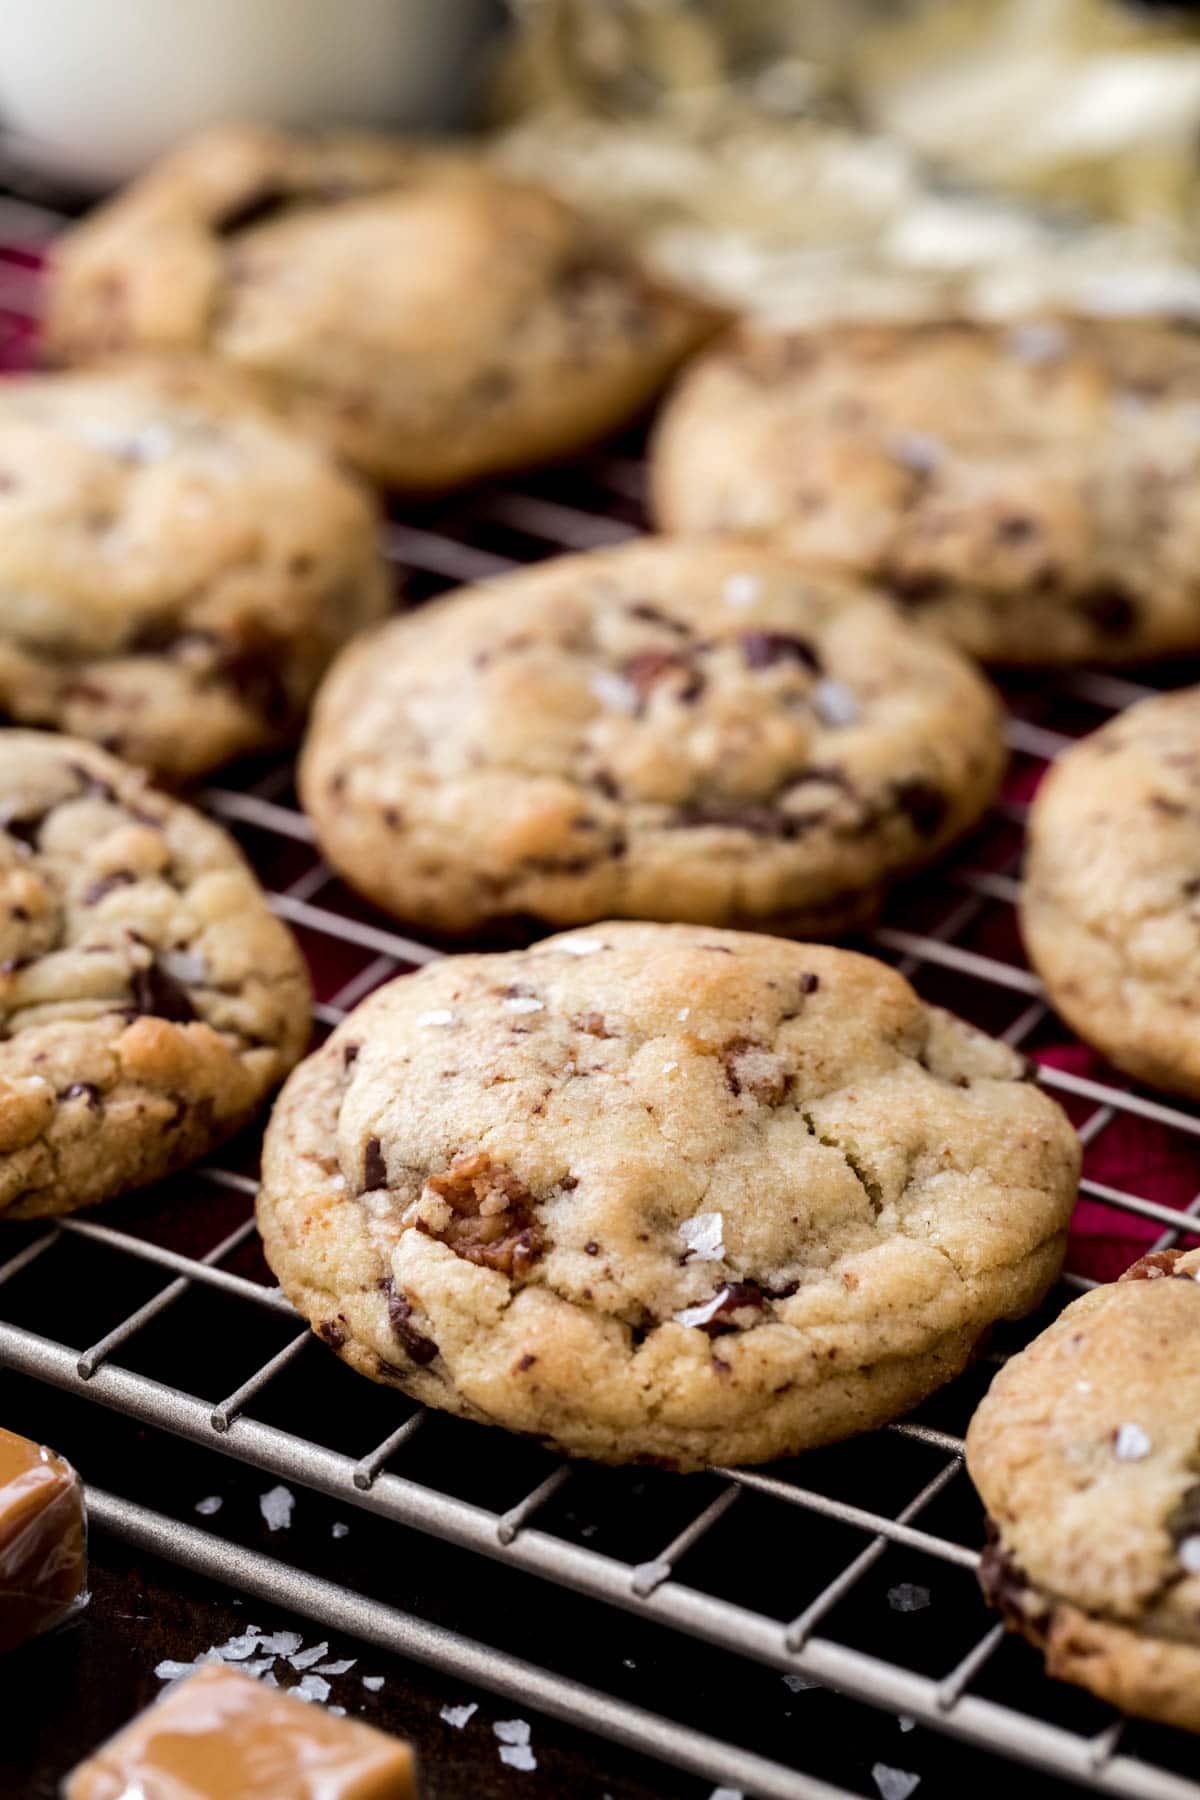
<point>805,159</point>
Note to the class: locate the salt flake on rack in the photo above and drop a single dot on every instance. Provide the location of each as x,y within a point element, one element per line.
<point>207,1507</point>
<point>305,1659</point>
<point>894,1784</point>
<point>311,1687</point>
<point>907,1597</point>
<point>457,1716</point>
<point>276,1507</point>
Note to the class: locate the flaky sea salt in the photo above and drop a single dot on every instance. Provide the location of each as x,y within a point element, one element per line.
<point>237,1648</point>
<point>183,965</point>
<point>614,691</point>
<point>373,1683</point>
<point>276,1507</point>
<point>1189,1554</point>
<point>894,1784</point>
<point>578,946</point>
<point>338,1712</point>
<point>304,1659</point>
<point>208,1506</point>
<point>704,1237</point>
<point>281,1643</point>
<point>338,1530</point>
<point>683,1013</point>
<point>311,1687</point>
<point>438,1015</point>
<point>907,1597</point>
<point>800,1684</point>
<point>741,590</point>
<point>835,704</point>
<point>341,1667</point>
<point>669,1068</point>
<point>453,1715</point>
<point>726,1794</point>
<point>1131,1443</point>
<point>518,1756</point>
<point>512,1731</point>
<point>524,1003</point>
<point>170,1670</point>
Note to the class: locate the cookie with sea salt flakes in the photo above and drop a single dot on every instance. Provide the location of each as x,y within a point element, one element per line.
<point>176,570</point>
<point>669,730</point>
<point>1110,906</point>
<point>1086,1456</point>
<point>1029,491</point>
<point>149,1001</point>
<point>663,1192</point>
<point>431,318</point>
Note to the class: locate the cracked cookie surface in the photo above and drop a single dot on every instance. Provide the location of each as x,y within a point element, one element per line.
<point>148,999</point>
<point>658,1192</point>
<point>1110,905</point>
<point>431,318</point>
<point>176,570</point>
<point>1028,492</point>
<point>665,730</point>
<point>1086,1454</point>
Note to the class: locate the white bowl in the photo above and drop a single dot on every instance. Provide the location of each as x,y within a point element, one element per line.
<point>93,90</point>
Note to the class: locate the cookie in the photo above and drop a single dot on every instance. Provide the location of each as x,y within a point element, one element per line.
<point>665,730</point>
<point>176,569</point>
<point>1029,492</point>
<point>1085,1455</point>
<point>663,1192</point>
<point>1110,905</point>
<point>148,999</point>
<point>434,319</point>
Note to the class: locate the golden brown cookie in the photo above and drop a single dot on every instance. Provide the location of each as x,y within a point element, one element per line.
<point>432,318</point>
<point>1086,1453</point>
<point>176,569</point>
<point>671,730</point>
<point>663,1192</point>
<point>1027,491</point>
<point>148,999</point>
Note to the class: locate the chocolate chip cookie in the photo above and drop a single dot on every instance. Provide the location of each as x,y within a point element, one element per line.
<point>1086,1453</point>
<point>1110,907</point>
<point>663,1192</point>
<point>434,319</point>
<point>176,570</point>
<point>1029,491</point>
<point>148,999</point>
<point>666,730</point>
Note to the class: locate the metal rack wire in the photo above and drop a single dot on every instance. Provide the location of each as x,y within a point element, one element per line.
<point>953,934</point>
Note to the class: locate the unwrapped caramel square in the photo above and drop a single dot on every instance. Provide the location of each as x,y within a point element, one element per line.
<point>221,1735</point>
<point>43,1542</point>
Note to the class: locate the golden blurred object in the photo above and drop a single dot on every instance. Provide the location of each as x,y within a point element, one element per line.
<point>808,161</point>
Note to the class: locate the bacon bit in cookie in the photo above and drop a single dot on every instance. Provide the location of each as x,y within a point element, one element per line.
<point>416,1346</point>
<point>1153,1267</point>
<point>764,649</point>
<point>645,671</point>
<point>753,1069</point>
<point>1130,1443</point>
<point>593,1023</point>
<point>491,1214</point>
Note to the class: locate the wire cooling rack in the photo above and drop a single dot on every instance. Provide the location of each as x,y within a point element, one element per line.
<point>851,1568</point>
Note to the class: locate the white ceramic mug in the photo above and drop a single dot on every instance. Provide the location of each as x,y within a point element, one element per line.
<point>92,90</point>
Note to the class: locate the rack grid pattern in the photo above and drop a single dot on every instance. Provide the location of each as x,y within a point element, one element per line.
<point>953,934</point>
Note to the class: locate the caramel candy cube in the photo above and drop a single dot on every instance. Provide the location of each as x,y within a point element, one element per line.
<point>43,1543</point>
<point>220,1735</point>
